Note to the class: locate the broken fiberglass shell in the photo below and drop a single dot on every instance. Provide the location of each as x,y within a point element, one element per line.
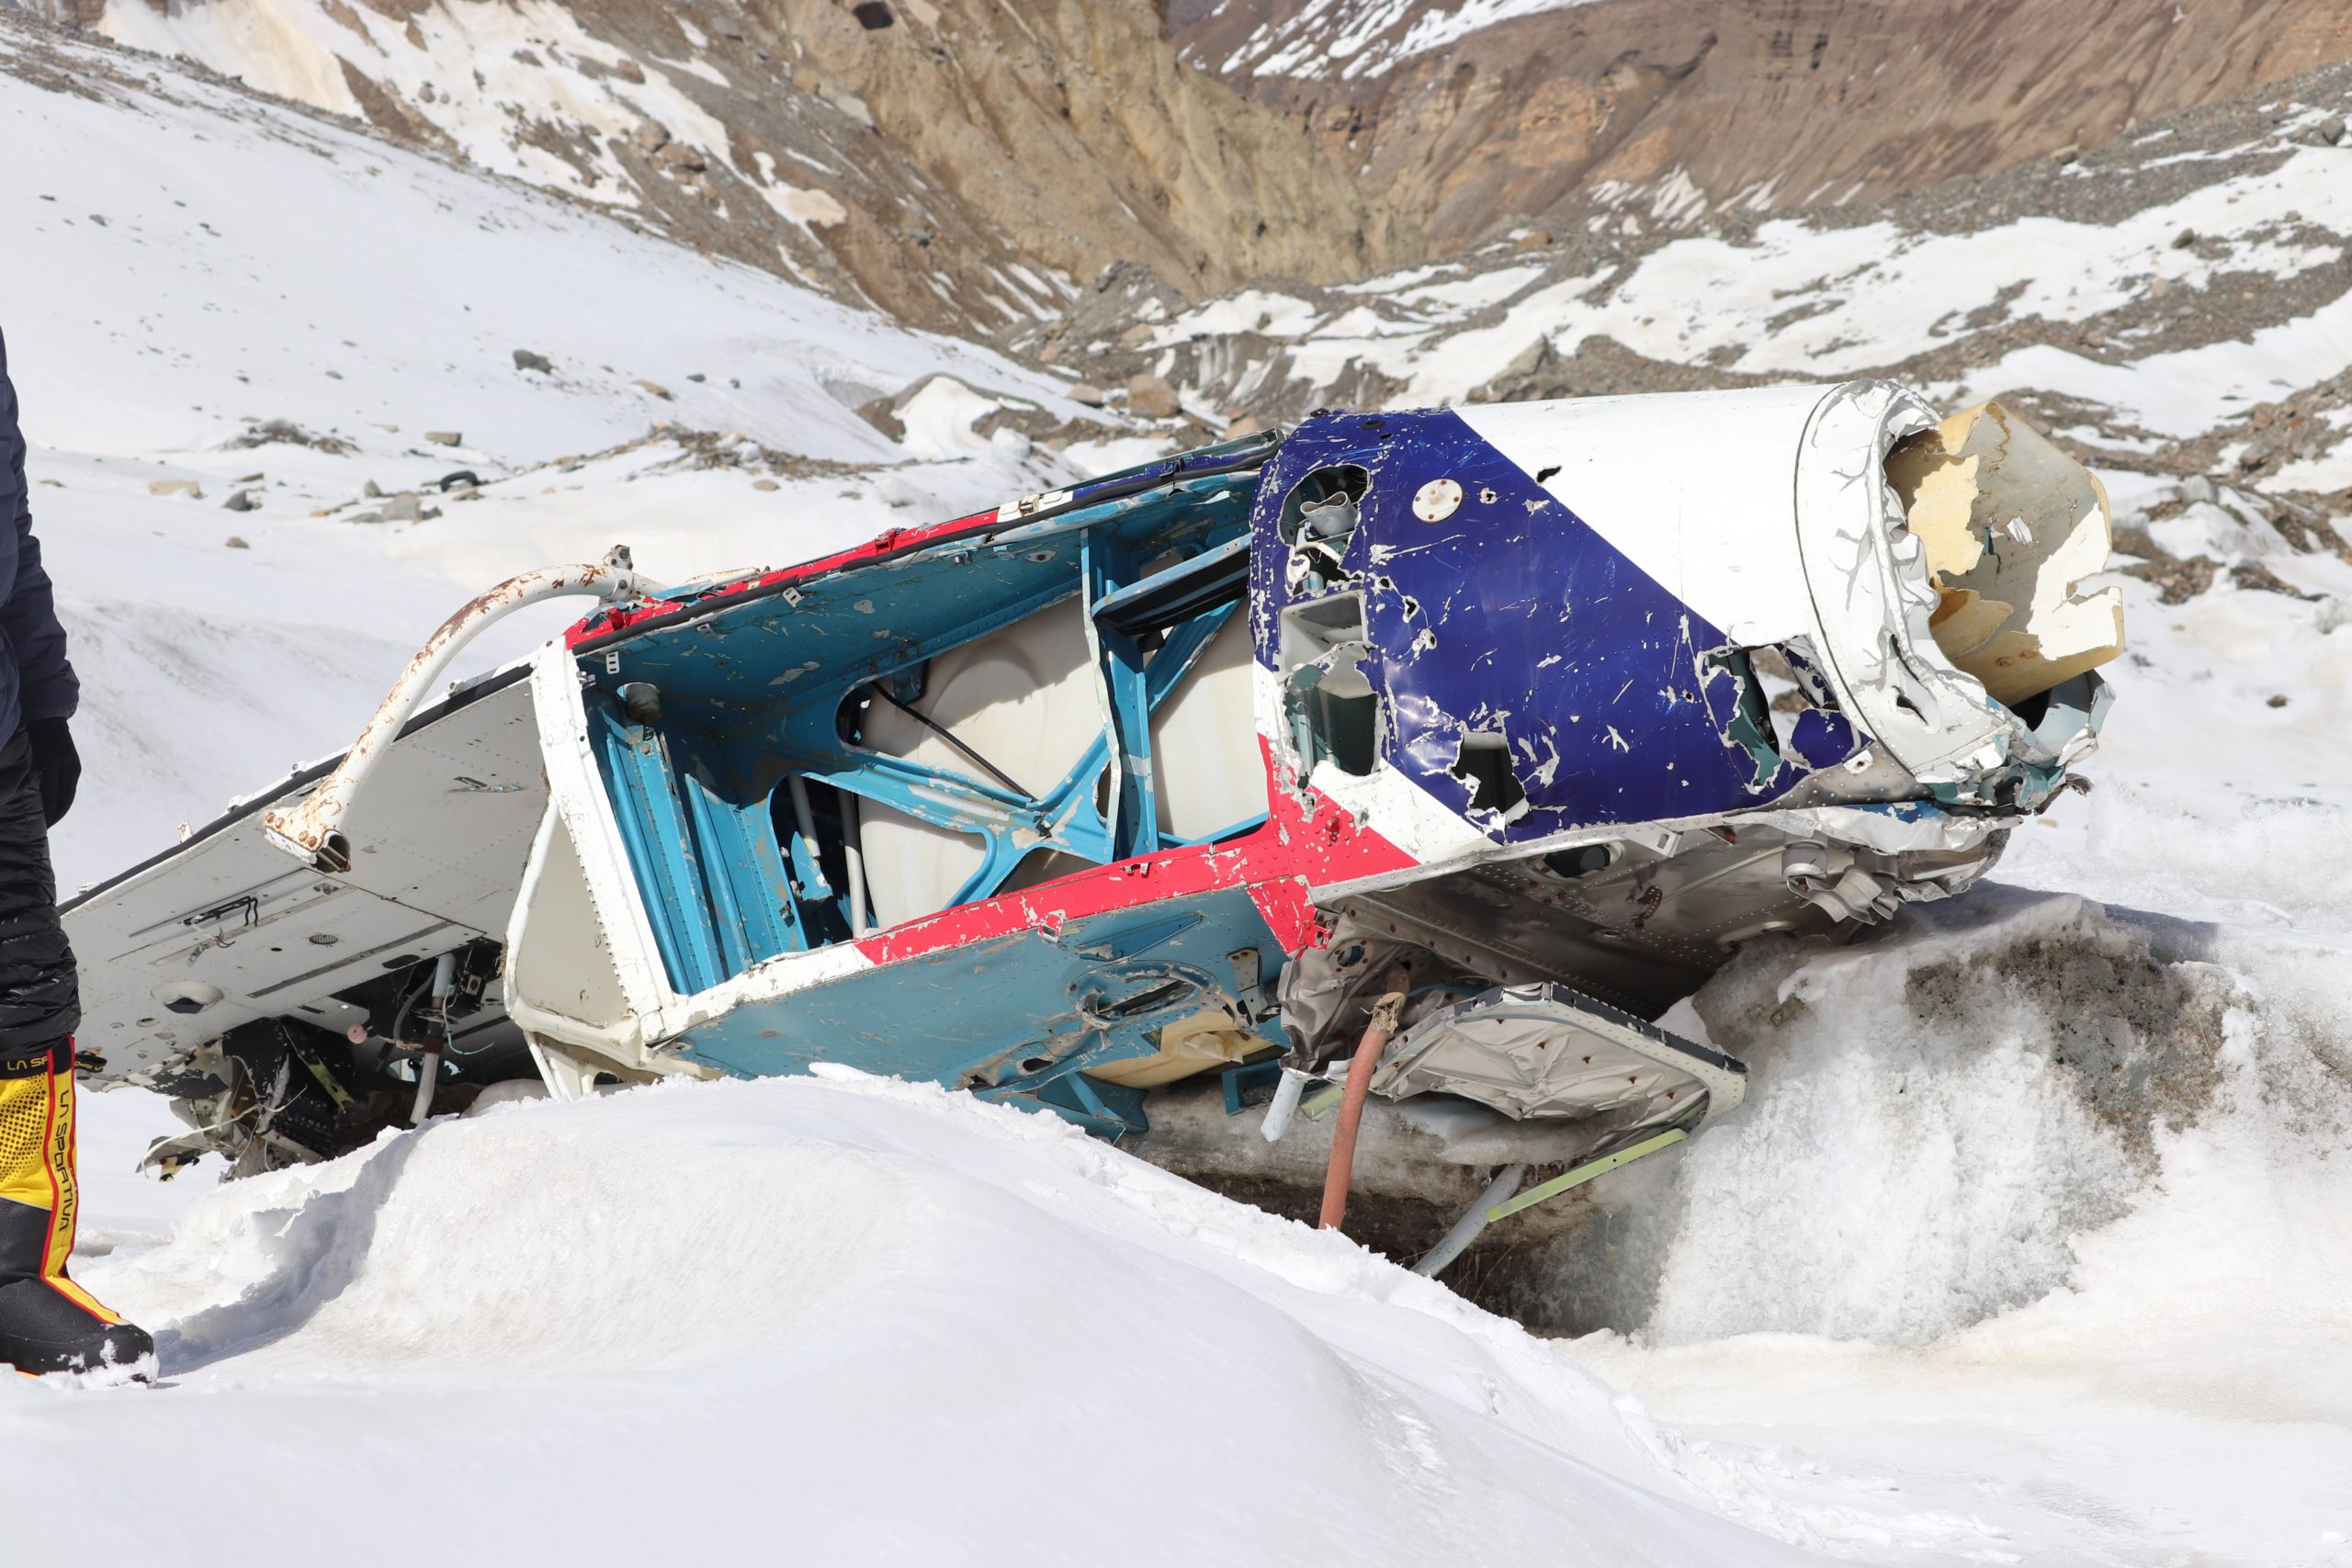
<point>1120,785</point>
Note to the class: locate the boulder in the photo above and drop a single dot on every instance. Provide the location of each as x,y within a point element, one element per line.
<point>1152,396</point>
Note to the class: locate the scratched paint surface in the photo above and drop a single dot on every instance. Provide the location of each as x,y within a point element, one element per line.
<point>1531,679</point>
<point>1510,620</point>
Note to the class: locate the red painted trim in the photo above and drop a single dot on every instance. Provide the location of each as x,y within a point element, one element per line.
<point>1300,846</point>
<point>1290,914</point>
<point>621,616</point>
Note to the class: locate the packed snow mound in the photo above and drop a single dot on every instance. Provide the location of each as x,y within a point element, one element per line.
<point>1936,1118</point>
<point>2033,1243</point>
<point>1947,1124</point>
<point>864,1317</point>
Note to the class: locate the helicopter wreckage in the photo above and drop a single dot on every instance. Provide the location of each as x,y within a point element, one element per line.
<point>1390,772</point>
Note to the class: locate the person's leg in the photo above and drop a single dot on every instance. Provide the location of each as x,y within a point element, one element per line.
<point>47,1322</point>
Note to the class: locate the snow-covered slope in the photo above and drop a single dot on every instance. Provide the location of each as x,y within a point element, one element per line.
<point>211,289</point>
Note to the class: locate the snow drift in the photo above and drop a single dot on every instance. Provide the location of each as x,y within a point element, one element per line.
<point>826,1319</point>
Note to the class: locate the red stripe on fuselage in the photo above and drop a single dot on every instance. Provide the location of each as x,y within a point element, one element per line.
<point>620,617</point>
<point>1297,848</point>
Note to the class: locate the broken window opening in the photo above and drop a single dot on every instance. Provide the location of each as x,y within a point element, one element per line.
<point>1341,730</point>
<point>1041,864</point>
<point>1317,520</point>
<point>1579,862</point>
<point>1208,775</point>
<point>1483,763</point>
<point>962,747</point>
<point>1332,708</point>
<point>1741,712</point>
<point>2009,527</point>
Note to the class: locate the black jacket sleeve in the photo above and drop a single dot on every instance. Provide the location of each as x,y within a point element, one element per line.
<point>45,683</point>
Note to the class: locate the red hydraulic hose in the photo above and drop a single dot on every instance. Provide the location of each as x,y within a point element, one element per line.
<point>1386,1013</point>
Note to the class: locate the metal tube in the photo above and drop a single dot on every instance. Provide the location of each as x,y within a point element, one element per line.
<point>1587,1171</point>
<point>1284,1106</point>
<point>1386,1013</point>
<point>802,818</point>
<point>428,1071</point>
<point>428,1077</point>
<point>854,856</point>
<point>1472,1223</point>
<point>312,829</point>
<point>805,821</point>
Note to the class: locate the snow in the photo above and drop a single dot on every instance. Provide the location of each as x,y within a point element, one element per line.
<point>1804,302</point>
<point>1344,36</point>
<point>1919,1301</point>
<point>523,59</point>
<point>2172,1390</point>
<point>831,1318</point>
<point>381,289</point>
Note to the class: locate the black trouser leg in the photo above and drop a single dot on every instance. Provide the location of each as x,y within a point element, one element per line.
<point>47,1322</point>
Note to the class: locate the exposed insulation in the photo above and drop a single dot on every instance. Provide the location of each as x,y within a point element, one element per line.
<point>1194,1045</point>
<point>2012,526</point>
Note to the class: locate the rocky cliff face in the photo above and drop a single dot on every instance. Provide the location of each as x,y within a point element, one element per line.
<point>962,166</point>
<point>1474,115</point>
<point>980,168</point>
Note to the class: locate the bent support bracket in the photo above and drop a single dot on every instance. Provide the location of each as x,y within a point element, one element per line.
<point>312,829</point>
<point>1586,1172</point>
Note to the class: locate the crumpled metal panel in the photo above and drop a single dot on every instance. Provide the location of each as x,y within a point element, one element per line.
<point>1544,1050</point>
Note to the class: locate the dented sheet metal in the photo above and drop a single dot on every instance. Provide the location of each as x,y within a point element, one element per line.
<point>1543,1050</point>
<point>1552,705</point>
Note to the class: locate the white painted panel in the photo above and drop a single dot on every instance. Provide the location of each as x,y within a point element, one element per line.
<point>446,820</point>
<point>1026,699</point>
<point>1205,744</point>
<point>439,861</point>
<point>558,960</point>
<point>1697,489</point>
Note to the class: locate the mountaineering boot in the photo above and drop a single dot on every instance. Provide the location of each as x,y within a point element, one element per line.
<point>49,1324</point>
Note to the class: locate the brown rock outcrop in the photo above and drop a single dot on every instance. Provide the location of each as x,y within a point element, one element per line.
<point>1661,110</point>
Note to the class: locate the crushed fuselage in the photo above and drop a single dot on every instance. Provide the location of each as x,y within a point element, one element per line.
<point>1119,788</point>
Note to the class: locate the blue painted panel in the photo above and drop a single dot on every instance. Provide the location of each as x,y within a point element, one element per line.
<point>1513,619</point>
<point>743,865</point>
<point>1011,1017</point>
<point>641,785</point>
<point>750,695</point>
